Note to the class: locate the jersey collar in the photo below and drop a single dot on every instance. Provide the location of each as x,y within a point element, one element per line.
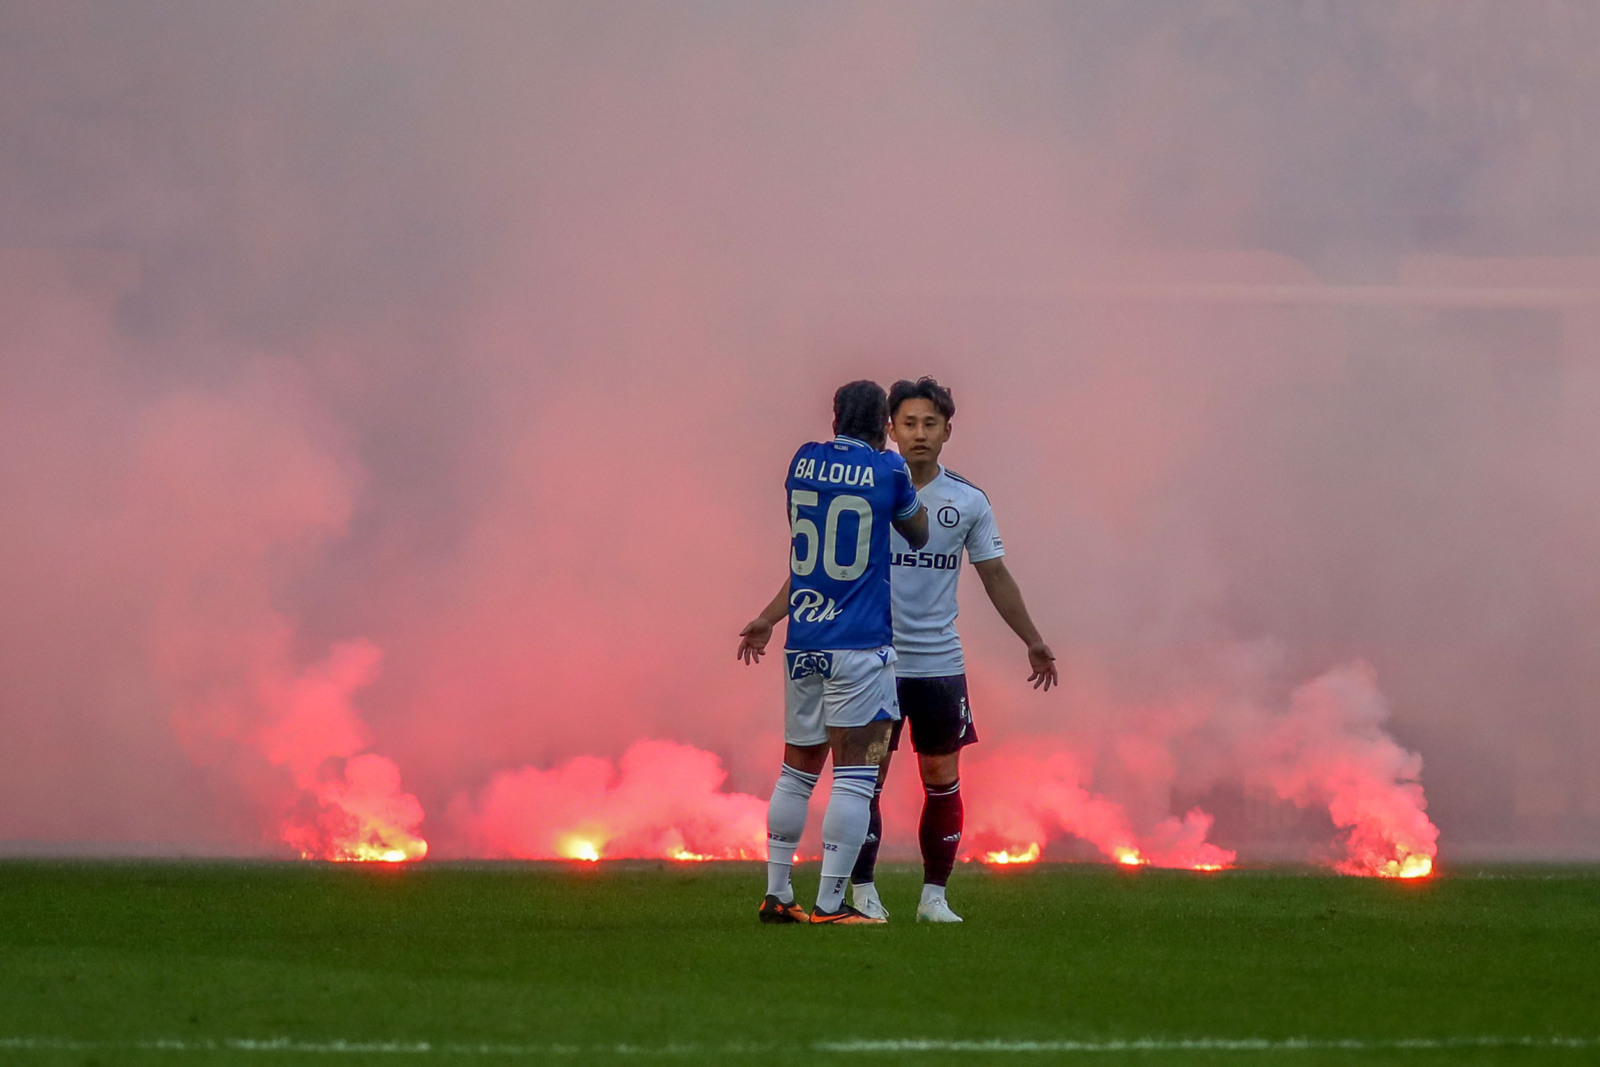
<point>845,440</point>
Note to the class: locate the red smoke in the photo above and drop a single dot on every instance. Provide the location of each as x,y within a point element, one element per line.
<point>222,493</point>
<point>1326,750</point>
<point>661,800</point>
<point>228,487</point>
<point>1331,750</point>
<point>489,357</point>
<point>359,811</point>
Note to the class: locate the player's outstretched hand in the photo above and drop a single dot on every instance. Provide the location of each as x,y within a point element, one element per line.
<point>1043,662</point>
<point>753,640</point>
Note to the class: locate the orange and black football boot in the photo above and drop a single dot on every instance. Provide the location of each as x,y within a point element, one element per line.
<point>846,915</point>
<point>773,910</point>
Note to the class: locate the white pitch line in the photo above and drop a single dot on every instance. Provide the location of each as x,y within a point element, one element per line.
<point>426,1048</point>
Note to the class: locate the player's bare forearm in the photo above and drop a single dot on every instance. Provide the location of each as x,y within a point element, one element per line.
<point>754,637</point>
<point>914,529</point>
<point>778,607</point>
<point>1006,596</point>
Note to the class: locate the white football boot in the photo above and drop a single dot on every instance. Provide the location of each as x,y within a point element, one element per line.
<point>865,900</point>
<point>936,910</point>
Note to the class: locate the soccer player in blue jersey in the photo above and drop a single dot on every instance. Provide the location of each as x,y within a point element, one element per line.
<point>839,687</point>
<point>931,672</point>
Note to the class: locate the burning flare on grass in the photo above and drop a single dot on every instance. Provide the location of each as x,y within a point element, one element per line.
<point>1029,797</point>
<point>683,855</point>
<point>364,818</point>
<point>354,811</point>
<point>373,854</point>
<point>661,800</point>
<point>1326,750</point>
<point>578,848</point>
<point>1026,855</point>
<point>232,482</point>
<point>1332,750</point>
<point>1415,865</point>
<point>1411,865</point>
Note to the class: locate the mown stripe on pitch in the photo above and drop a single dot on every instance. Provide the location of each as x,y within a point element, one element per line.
<point>1209,1044</point>
<point>861,1047</point>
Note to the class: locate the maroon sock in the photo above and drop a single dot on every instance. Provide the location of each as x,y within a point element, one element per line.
<point>940,832</point>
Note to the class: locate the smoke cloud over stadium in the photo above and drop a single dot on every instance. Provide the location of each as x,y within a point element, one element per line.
<point>394,402</point>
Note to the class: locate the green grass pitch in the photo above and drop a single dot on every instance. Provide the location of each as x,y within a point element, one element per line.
<point>133,963</point>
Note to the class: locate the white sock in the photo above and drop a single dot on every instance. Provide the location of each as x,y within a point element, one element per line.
<point>786,821</point>
<point>844,829</point>
<point>863,891</point>
<point>932,892</point>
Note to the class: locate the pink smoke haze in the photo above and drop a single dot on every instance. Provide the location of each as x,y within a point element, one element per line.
<point>1330,750</point>
<point>231,489</point>
<point>394,405</point>
<point>1327,750</point>
<point>660,800</point>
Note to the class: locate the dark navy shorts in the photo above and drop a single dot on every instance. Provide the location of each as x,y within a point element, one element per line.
<point>937,710</point>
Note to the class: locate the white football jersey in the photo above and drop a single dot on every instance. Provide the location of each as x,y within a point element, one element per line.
<point>923,584</point>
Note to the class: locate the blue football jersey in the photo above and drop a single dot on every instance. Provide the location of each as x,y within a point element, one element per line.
<point>843,496</point>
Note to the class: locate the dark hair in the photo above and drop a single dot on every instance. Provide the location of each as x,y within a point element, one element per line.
<point>861,410</point>
<point>922,389</point>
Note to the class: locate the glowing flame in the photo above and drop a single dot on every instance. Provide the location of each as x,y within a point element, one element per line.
<point>683,855</point>
<point>1027,855</point>
<point>351,807</point>
<point>1390,861</point>
<point>733,852</point>
<point>675,848</point>
<point>362,817</point>
<point>411,848</point>
<point>661,800</point>
<point>1328,751</point>
<point>1416,865</point>
<point>573,847</point>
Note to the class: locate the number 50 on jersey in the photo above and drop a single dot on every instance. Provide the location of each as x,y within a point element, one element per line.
<point>843,497</point>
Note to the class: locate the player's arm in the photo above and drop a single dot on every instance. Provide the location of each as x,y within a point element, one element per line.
<point>754,637</point>
<point>910,517</point>
<point>1007,599</point>
<point>915,528</point>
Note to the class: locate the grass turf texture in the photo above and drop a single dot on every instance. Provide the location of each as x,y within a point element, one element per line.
<point>103,956</point>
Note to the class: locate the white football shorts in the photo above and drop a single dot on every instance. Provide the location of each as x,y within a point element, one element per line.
<point>846,687</point>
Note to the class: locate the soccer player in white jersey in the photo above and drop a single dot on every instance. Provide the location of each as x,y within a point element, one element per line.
<point>930,668</point>
<point>839,690</point>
